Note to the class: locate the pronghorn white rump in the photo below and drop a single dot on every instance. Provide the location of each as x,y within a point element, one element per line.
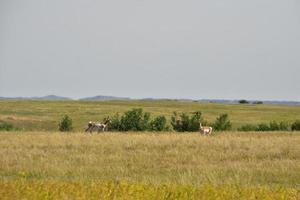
<point>205,130</point>
<point>97,126</point>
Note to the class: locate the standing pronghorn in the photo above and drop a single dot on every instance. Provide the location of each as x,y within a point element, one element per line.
<point>98,126</point>
<point>205,130</point>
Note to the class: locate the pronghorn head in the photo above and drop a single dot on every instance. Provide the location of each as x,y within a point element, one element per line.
<point>107,120</point>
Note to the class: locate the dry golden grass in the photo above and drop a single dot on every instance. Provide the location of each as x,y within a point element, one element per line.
<point>49,165</point>
<point>248,159</point>
<point>131,191</point>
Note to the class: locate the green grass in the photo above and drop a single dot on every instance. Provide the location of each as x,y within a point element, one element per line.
<point>45,115</point>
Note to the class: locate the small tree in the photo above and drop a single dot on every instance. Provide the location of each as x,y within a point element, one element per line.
<point>243,101</point>
<point>65,124</point>
<point>296,126</point>
<point>222,123</point>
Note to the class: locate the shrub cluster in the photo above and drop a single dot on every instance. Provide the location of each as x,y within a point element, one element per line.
<point>137,120</point>
<point>183,122</point>
<point>272,126</point>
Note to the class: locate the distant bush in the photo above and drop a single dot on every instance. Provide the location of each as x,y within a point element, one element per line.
<point>282,126</point>
<point>243,101</point>
<point>272,126</point>
<point>5,126</point>
<point>222,123</point>
<point>248,127</point>
<point>65,124</point>
<point>183,122</point>
<point>263,127</point>
<point>257,102</point>
<point>159,124</point>
<point>296,126</point>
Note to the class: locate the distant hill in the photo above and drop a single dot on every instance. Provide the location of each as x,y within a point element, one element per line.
<point>108,98</point>
<point>48,98</point>
<point>103,98</point>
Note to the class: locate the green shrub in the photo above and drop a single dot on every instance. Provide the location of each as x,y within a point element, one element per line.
<point>65,124</point>
<point>115,124</point>
<point>222,123</point>
<point>263,127</point>
<point>247,127</point>
<point>283,126</point>
<point>274,126</point>
<point>135,120</point>
<point>5,126</point>
<point>159,124</point>
<point>296,126</point>
<point>184,122</point>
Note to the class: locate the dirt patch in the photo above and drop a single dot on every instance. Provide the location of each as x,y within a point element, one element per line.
<point>18,118</point>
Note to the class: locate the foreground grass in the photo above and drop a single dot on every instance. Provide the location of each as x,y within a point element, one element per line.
<point>227,158</point>
<point>45,115</point>
<point>98,190</point>
<point>41,165</point>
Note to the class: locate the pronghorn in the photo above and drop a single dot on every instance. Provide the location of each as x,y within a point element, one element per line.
<point>205,130</point>
<point>98,126</point>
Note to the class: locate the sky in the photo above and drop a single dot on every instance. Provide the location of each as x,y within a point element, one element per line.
<point>198,49</point>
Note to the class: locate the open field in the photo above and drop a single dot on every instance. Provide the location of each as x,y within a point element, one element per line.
<point>227,165</point>
<point>45,115</point>
<point>36,162</point>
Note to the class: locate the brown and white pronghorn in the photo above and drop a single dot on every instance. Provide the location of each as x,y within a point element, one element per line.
<point>205,130</point>
<point>98,126</point>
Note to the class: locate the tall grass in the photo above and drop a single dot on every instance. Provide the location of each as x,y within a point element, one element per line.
<point>231,158</point>
<point>52,165</point>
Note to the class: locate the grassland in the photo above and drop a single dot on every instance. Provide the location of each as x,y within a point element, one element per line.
<point>187,166</point>
<point>37,162</point>
<point>45,115</point>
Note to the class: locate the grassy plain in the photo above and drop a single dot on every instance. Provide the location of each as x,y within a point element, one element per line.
<point>45,115</point>
<point>36,162</point>
<point>185,165</point>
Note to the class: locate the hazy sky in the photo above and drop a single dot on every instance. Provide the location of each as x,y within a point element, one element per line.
<point>228,49</point>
